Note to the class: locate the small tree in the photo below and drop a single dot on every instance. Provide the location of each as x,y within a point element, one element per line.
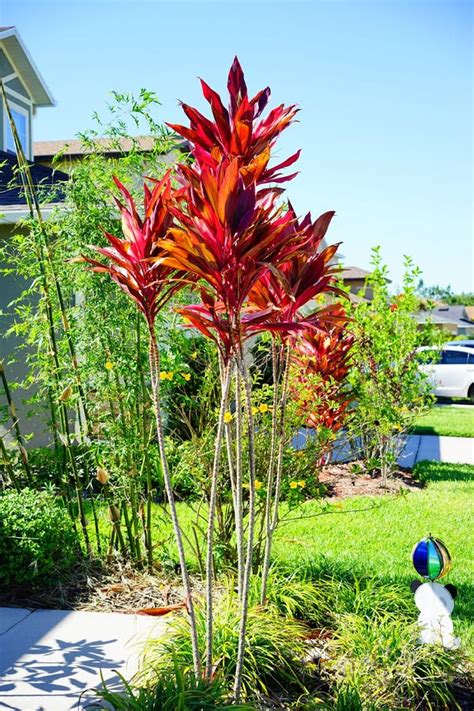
<point>389,390</point>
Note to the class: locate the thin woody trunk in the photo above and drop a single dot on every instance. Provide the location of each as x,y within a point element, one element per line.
<point>271,469</point>
<point>250,531</point>
<point>211,518</point>
<point>279,466</point>
<point>239,513</point>
<point>155,389</point>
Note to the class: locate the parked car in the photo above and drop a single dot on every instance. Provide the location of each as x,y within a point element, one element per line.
<point>450,370</point>
<point>465,344</point>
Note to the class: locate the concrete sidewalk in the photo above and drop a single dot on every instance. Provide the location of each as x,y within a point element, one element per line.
<point>454,450</point>
<point>50,660</point>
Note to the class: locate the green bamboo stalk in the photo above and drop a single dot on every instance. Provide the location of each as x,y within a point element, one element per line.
<point>41,249</point>
<point>8,465</point>
<point>16,426</point>
<point>34,206</point>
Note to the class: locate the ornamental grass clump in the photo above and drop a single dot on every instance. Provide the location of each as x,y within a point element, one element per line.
<point>275,647</point>
<point>382,660</point>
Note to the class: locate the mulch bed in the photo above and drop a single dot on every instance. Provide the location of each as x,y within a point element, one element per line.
<point>93,586</point>
<point>345,480</point>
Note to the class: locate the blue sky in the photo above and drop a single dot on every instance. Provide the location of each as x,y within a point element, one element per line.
<point>385,90</point>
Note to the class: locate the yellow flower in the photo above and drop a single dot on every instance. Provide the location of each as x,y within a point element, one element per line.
<point>263,408</point>
<point>258,484</point>
<point>163,375</point>
<point>293,484</point>
<point>302,483</point>
<point>228,417</point>
<point>254,410</point>
<point>109,365</point>
<point>170,375</point>
<point>194,355</point>
<point>186,376</point>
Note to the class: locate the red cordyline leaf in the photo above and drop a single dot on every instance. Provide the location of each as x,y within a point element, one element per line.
<point>135,261</point>
<point>308,273</point>
<point>237,131</point>
<point>321,360</point>
<point>226,236</point>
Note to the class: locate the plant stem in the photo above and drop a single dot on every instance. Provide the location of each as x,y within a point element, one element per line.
<point>250,530</point>
<point>16,426</point>
<point>7,464</point>
<point>271,470</point>
<point>279,466</point>
<point>155,388</point>
<point>211,517</point>
<point>239,515</point>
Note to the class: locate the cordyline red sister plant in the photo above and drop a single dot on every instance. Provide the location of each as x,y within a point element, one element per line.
<point>256,267</point>
<point>135,264</point>
<point>321,362</point>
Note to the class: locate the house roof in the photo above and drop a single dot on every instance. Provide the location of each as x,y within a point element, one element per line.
<point>24,66</point>
<point>354,273</point>
<point>75,148</point>
<point>11,192</point>
<point>444,313</point>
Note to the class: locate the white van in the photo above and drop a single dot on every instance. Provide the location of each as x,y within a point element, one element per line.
<point>450,370</point>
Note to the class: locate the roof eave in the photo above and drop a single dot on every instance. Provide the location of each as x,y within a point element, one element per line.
<point>26,68</point>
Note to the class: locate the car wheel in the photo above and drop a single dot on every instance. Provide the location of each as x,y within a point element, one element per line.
<point>470,393</point>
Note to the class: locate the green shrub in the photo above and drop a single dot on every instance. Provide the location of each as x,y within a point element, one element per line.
<point>173,690</point>
<point>37,538</point>
<point>274,647</point>
<point>381,661</point>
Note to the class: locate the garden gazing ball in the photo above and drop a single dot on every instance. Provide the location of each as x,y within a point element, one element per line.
<point>431,558</point>
<point>435,601</point>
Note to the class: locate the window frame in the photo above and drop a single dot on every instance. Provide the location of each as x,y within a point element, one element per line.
<point>459,353</point>
<point>13,105</point>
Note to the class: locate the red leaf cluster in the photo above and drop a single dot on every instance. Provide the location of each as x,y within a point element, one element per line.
<point>322,361</point>
<point>257,265</point>
<point>135,261</point>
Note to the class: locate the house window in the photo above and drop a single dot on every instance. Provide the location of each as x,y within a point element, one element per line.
<point>21,118</point>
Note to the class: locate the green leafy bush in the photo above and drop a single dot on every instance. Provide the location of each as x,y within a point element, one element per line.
<point>385,377</point>
<point>37,538</point>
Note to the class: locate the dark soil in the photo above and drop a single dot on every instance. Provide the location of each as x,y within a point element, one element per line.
<point>345,480</point>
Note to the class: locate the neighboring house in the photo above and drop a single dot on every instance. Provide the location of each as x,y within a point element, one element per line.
<point>455,319</point>
<point>72,150</point>
<point>27,93</point>
<point>354,278</point>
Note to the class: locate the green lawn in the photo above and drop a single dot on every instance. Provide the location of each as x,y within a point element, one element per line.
<point>446,420</point>
<point>374,536</point>
<point>378,541</point>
